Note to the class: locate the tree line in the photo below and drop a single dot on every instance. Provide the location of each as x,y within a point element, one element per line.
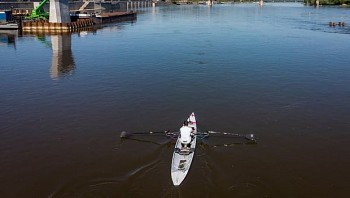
<point>328,2</point>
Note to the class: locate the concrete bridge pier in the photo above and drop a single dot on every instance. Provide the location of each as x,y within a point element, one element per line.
<point>59,11</point>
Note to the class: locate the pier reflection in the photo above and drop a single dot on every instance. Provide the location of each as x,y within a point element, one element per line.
<point>8,38</point>
<point>62,57</point>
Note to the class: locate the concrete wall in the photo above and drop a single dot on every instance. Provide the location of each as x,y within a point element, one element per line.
<point>120,6</point>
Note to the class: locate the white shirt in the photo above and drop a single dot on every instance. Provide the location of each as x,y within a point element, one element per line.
<point>185,134</point>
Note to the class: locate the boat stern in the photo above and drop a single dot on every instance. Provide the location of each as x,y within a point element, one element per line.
<point>178,177</point>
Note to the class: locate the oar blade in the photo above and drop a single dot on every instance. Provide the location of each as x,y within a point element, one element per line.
<point>250,137</point>
<point>124,134</point>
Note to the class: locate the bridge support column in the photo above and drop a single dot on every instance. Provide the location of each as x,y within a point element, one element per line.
<point>59,11</point>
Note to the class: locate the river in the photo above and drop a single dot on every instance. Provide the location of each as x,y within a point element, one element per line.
<point>278,71</point>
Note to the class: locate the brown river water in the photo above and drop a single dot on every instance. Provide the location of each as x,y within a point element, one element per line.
<point>278,71</point>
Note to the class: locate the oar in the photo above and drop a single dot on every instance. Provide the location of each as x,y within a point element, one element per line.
<point>125,134</point>
<point>249,137</point>
<point>202,135</point>
<point>142,140</point>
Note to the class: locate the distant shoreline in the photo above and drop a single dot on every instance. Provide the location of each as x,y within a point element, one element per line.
<point>327,3</point>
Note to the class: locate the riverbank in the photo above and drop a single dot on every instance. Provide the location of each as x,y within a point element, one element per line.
<point>342,3</point>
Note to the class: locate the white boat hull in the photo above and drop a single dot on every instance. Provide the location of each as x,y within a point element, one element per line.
<point>182,160</point>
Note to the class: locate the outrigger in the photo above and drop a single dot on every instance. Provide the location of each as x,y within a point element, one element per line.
<point>186,144</point>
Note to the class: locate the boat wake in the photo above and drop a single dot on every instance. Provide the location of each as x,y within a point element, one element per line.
<point>124,185</point>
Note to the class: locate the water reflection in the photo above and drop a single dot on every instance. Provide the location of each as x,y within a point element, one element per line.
<point>62,57</point>
<point>8,38</point>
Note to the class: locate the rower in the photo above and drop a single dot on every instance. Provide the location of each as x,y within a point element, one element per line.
<point>186,134</point>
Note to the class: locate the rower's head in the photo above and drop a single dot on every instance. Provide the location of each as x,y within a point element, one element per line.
<point>186,123</point>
